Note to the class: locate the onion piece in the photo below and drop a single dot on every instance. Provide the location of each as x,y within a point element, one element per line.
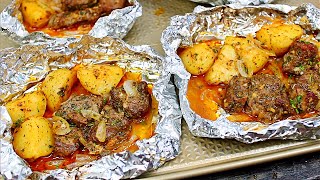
<point>60,126</point>
<point>91,114</point>
<point>129,88</point>
<point>243,70</point>
<point>101,133</point>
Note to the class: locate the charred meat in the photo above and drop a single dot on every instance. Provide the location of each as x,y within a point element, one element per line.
<point>70,5</point>
<point>237,94</point>
<point>267,98</point>
<point>133,99</point>
<point>305,93</point>
<point>301,57</point>
<point>75,109</point>
<point>67,144</point>
<point>83,11</point>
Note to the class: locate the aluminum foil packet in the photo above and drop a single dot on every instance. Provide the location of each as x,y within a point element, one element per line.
<point>117,24</point>
<point>217,23</point>
<point>21,69</point>
<point>242,2</point>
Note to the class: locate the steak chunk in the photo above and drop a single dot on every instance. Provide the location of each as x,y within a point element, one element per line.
<point>67,144</point>
<point>301,57</point>
<point>78,4</point>
<point>135,102</point>
<point>305,93</point>
<point>237,94</point>
<point>71,109</point>
<point>267,98</point>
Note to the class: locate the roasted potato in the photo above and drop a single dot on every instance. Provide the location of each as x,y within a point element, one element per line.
<point>199,58</point>
<point>278,37</point>
<point>35,13</point>
<point>33,138</point>
<point>224,68</point>
<point>99,79</point>
<point>57,87</point>
<point>252,57</point>
<point>30,104</point>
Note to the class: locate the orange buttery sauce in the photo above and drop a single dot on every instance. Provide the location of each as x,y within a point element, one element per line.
<point>140,130</point>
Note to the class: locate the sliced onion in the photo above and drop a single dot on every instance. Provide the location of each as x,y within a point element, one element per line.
<point>101,133</point>
<point>129,88</point>
<point>60,126</point>
<point>243,70</point>
<point>91,114</point>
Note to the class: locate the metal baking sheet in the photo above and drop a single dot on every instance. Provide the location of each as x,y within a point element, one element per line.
<point>200,155</point>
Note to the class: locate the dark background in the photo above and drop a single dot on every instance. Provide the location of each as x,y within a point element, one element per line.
<point>304,167</point>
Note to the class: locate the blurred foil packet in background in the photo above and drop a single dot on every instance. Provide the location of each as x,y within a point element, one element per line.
<point>116,24</point>
<point>242,2</point>
<point>235,20</point>
<point>22,68</point>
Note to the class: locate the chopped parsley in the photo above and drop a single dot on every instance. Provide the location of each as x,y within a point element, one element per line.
<point>295,102</point>
<point>18,122</point>
<point>62,92</point>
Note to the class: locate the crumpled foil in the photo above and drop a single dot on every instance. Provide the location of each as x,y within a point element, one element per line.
<point>217,23</point>
<point>117,24</point>
<point>242,2</point>
<point>21,68</point>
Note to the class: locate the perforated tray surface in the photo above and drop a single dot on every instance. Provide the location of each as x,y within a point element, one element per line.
<point>200,155</point>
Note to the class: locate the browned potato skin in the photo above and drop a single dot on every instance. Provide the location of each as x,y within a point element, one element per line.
<point>199,58</point>
<point>100,79</point>
<point>224,68</point>
<point>34,13</point>
<point>30,104</point>
<point>278,37</point>
<point>33,138</point>
<point>57,87</point>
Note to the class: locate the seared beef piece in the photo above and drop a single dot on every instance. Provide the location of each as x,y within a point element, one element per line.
<point>71,109</point>
<point>237,94</point>
<point>77,4</point>
<point>67,19</point>
<point>65,145</point>
<point>114,118</point>
<point>267,98</point>
<point>109,5</point>
<point>305,92</point>
<point>134,106</point>
<point>301,57</point>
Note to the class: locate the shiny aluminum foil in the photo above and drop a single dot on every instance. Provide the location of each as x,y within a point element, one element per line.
<point>117,24</point>
<point>217,23</point>
<point>242,2</point>
<point>22,68</point>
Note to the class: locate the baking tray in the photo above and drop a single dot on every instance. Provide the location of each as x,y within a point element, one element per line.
<point>200,155</point>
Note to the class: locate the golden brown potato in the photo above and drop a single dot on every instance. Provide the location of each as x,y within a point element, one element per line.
<point>57,87</point>
<point>199,58</point>
<point>278,37</point>
<point>99,79</point>
<point>252,57</point>
<point>33,138</point>
<point>35,13</point>
<point>30,104</point>
<point>224,68</point>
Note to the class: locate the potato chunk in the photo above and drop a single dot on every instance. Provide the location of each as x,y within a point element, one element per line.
<point>33,138</point>
<point>30,104</point>
<point>100,79</point>
<point>199,58</point>
<point>224,68</point>
<point>253,58</point>
<point>57,87</point>
<point>279,37</point>
<point>35,13</point>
